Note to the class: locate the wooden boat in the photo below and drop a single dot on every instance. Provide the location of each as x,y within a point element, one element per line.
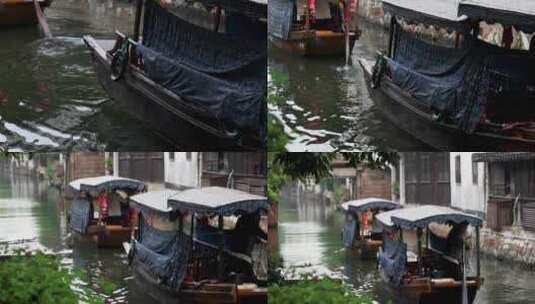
<point>356,234</point>
<point>315,43</point>
<point>183,113</point>
<point>502,125</point>
<point>87,217</point>
<point>298,34</point>
<point>437,273</point>
<point>202,265</point>
<point>20,12</point>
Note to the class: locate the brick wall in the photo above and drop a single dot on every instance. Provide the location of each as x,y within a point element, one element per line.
<point>86,164</point>
<point>373,183</point>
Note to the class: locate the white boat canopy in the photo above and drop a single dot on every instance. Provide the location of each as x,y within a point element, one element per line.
<point>518,13</point>
<point>107,182</point>
<point>433,12</point>
<point>217,200</point>
<point>154,200</point>
<point>368,204</point>
<point>422,216</point>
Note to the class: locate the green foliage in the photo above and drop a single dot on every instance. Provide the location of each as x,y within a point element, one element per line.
<point>51,172</point>
<point>373,160</point>
<point>324,291</point>
<point>277,139</point>
<point>39,279</point>
<point>276,179</point>
<point>302,166</point>
<point>36,279</point>
<point>275,264</point>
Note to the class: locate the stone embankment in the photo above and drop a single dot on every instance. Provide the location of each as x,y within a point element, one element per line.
<point>514,245</point>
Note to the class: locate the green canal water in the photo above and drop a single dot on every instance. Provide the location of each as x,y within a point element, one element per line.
<point>50,97</point>
<point>31,210</point>
<point>325,105</point>
<point>309,238</point>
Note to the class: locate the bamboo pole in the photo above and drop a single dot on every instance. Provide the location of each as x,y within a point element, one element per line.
<point>42,19</point>
<point>346,25</point>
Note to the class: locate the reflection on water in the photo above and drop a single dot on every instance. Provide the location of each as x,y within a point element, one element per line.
<point>49,94</point>
<point>309,237</point>
<point>30,209</point>
<point>326,105</point>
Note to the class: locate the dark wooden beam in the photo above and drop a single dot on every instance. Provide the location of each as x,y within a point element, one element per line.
<point>137,23</point>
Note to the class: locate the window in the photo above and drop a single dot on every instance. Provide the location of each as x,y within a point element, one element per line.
<point>475,173</point>
<point>172,156</point>
<point>188,156</point>
<point>458,169</point>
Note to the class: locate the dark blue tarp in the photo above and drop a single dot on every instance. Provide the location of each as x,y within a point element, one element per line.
<point>393,259</point>
<point>348,234</point>
<point>280,16</point>
<point>458,83</point>
<point>223,75</point>
<point>80,215</point>
<point>166,253</point>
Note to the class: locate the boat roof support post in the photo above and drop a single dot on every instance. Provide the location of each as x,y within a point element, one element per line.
<point>217,19</point>
<point>427,238</point>
<point>391,36</point>
<point>419,236</point>
<point>221,265</point>
<point>192,226</point>
<point>180,224</point>
<point>137,23</point>
<point>478,261</point>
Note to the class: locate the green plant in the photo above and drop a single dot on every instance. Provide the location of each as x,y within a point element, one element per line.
<point>275,263</point>
<point>39,279</point>
<point>50,172</point>
<point>277,139</point>
<point>322,291</point>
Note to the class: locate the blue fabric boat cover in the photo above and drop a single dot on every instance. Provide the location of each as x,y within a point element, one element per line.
<point>280,16</point>
<point>166,253</point>
<point>80,215</point>
<point>393,259</point>
<point>457,83</point>
<point>252,9</point>
<point>222,75</point>
<point>348,233</point>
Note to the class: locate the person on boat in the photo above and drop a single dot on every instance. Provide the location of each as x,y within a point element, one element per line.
<point>246,233</point>
<point>102,201</point>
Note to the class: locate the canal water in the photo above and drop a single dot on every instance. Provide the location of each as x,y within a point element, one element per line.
<point>50,97</point>
<point>325,105</point>
<point>31,210</point>
<point>310,241</point>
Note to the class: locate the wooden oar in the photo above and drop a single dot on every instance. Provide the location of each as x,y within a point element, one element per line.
<point>42,20</point>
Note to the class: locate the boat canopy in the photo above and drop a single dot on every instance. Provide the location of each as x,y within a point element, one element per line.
<point>221,76</point>
<point>422,216</point>
<point>153,200</point>
<point>368,204</point>
<point>502,157</point>
<point>517,13</point>
<point>252,8</point>
<point>217,200</point>
<point>436,12</point>
<point>101,183</point>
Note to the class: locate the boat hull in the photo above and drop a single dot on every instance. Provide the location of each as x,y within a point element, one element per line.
<point>15,13</point>
<point>367,248</point>
<point>110,236</point>
<point>220,293</point>
<point>398,107</point>
<point>166,114</point>
<point>431,291</point>
<point>321,44</point>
